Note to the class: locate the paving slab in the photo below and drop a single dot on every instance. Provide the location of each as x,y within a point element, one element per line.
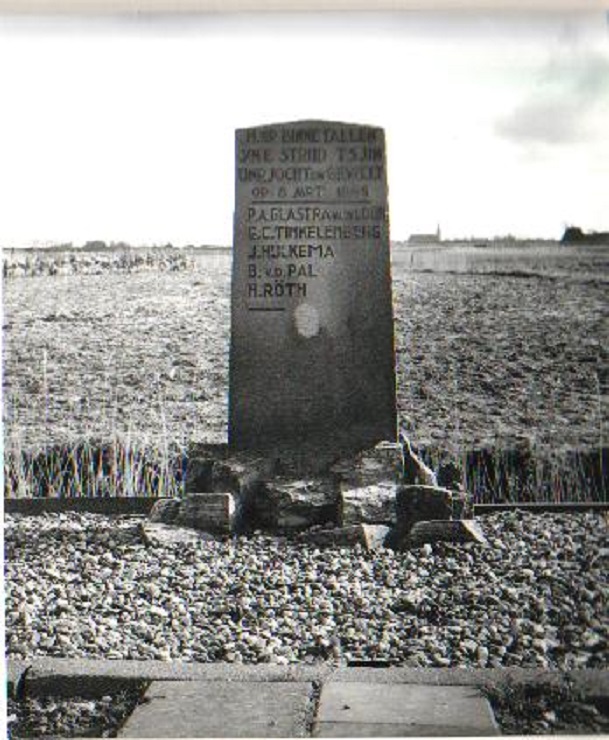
<point>222,709</point>
<point>402,710</point>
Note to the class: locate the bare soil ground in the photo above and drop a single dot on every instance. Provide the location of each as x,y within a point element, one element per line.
<point>498,345</point>
<point>141,355</point>
<point>493,345</point>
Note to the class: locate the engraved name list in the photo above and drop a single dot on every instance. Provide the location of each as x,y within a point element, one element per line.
<point>310,189</point>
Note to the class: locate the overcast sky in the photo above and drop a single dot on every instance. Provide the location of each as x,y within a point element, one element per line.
<point>123,129</point>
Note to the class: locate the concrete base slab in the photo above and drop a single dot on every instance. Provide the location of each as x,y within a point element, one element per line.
<point>221,709</point>
<point>72,675</point>
<point>375,710</point>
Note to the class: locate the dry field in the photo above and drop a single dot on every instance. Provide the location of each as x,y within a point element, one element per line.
<point>496,347</point>
<point>503,344</point>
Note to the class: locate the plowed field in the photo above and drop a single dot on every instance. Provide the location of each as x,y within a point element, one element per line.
<point>493,345</point>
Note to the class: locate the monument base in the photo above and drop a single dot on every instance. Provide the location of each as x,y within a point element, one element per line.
<point>330,491</point>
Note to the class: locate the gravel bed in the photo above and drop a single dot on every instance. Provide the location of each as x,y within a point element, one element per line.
<point>541,710</point>
<point>86,585</point>
<point>74,717</point>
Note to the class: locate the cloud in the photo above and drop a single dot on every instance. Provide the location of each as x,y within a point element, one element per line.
<point>561,107</point>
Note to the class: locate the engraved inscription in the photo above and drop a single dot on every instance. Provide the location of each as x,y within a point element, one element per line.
<point>310,191</point>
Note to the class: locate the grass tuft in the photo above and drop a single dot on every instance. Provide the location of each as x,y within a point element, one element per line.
<point>94,469</point>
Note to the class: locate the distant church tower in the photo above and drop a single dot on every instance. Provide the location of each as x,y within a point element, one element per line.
<point>438,234</point>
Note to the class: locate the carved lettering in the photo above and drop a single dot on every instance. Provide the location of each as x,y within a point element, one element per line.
<point>310,192</point>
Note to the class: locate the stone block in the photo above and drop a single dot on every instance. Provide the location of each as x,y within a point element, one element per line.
<point>165,510</point>
<point>158,534</point>
<point>422,503</point>
<point>15,672</point>
<point>369,536</point>
<point>382,463</point>
<point>288,504</point>
<point>241,474</point>
<point>198,475</point>
<point>200,464</point>
<point>208,512</point>
<point>452,530</point>
<point>373,504</point>
<point>416,470</point>
<point>209,450</point>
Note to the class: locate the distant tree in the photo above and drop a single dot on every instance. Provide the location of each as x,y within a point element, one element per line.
<point>572,235</point>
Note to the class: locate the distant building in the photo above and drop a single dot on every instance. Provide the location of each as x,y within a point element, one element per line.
<point>426,238</point>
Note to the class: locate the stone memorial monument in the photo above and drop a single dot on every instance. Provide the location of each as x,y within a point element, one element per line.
<point>311,357</point>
